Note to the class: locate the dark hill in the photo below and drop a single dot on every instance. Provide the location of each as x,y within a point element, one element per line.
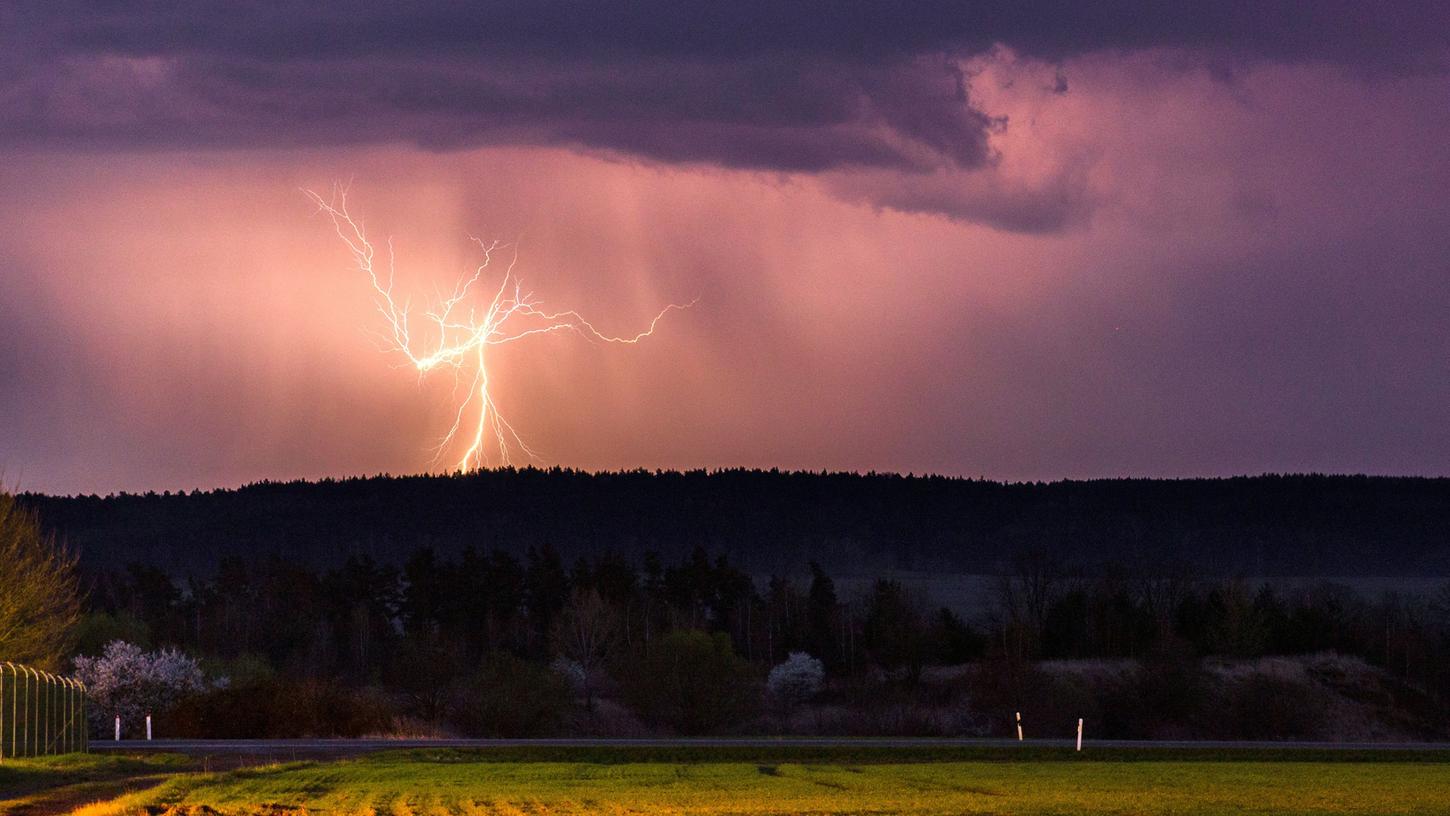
<point>769,520</point>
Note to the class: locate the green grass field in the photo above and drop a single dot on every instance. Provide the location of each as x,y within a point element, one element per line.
<point>454,782</point>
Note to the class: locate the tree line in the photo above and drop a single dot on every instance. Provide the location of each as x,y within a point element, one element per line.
<point>773,521</point>
<point>494,641</point>
<point>488,643</point>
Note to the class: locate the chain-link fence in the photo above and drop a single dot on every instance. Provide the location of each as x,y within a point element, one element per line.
<point>40,713</point>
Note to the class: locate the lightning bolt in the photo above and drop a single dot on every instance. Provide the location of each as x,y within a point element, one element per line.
<point>460,329</point>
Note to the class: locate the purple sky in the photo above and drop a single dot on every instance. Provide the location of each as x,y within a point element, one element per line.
<point>1024,240</point>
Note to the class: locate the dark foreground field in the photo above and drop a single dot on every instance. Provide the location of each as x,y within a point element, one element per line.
<point>558,780</point>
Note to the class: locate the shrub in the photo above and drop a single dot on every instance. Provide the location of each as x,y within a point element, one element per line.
<point>325,708</point>
<point>510,697</point>
<point>280,710</point>
<point>693,683</point>
<point>1165,699</point>
<point>1264,706</point>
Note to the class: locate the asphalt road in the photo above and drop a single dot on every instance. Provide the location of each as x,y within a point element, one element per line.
<point>348,747</point>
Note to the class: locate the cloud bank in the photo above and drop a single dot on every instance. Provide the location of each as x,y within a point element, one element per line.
<point>875,89</point>
<point>1025,241</point>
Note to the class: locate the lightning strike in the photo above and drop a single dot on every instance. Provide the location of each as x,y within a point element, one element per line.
<point>461,328</point>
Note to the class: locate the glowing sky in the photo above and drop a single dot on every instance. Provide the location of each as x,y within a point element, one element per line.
<point>1018,240</point>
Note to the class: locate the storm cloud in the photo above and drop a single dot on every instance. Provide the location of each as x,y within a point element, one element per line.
<point>1024,240</point>
<point>793,87</point>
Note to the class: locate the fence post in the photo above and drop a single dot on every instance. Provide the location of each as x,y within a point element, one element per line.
<point>2,711</point>
<point>81,724</point>
<point>85,721</point>
<point>31,701</point>
<point>57,742</point>
<point>35,717</point>
<point>56,710</point>
<point>53,709</point>
<point>40,713</point>
<point>68,713</point>
<point>39,717</point>
<point>14,705</point>
<point>29,705</point>
<point>45,712</point>
<point>21,736</point>
<point>61,707</point>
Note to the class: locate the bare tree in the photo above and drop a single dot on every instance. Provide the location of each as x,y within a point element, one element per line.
<point>1025,594</point>
<point>585,635</point>
<point>39,605</point>
<point>1162,589</point>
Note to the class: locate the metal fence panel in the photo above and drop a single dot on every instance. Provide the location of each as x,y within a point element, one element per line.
<point>40,713</point>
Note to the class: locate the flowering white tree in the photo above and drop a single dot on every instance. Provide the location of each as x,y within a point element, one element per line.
<point>129,683</point>
<point>797,679</point>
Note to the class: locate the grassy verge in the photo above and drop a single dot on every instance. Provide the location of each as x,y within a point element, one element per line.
<point>876,754</point>
<point>463,782</point>
<point>19,777</point>
<point>60,784</point>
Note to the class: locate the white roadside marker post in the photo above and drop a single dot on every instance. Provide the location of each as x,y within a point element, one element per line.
<point>148,728</point>
<point>1079,733</point>
<point>1019,726</point>
<point>118,728</point>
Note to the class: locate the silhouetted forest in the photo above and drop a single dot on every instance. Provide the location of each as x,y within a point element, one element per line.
<point>528,602</point>
<point>489,644</point>
<point>772,522</point>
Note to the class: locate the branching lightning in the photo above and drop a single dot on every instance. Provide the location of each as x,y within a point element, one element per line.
<point>460,329</point>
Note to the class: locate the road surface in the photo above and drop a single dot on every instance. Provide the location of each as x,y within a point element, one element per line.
<point>312,748</point>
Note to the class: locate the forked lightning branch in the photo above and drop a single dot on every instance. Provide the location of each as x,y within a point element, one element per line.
<point>457,331</point>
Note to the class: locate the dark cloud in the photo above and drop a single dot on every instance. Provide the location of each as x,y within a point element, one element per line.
<point>806,85</point>
<point>1050,205</point>
<point>1392,33</point>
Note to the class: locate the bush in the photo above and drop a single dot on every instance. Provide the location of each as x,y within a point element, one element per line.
<point>279,710</point>
<point>693,683</point>
<point>1267,707</point>
<point>1051,695</point>
<point>1164,698</point>
<point>895,708</point>
<point>1000,686</point>
<point>510,697</point>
